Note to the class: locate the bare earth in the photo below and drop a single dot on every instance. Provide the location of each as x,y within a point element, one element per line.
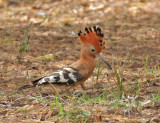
<point>132,41</point>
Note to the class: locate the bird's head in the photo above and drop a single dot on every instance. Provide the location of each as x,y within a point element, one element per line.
<point>92,42</point>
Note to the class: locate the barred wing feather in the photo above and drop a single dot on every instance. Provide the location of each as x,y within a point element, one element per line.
<point>66,76</point>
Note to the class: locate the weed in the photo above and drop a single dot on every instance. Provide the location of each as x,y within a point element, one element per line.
<point>85,121</point>
<point>119,83</point>
<point>51,106</point>
<point>24,46</point>
<point>59,106</point>
<point>137,87</point>
<point>156,97</point>
<point>146,62</point>
<point>25,111</point>
<point>99,69</point>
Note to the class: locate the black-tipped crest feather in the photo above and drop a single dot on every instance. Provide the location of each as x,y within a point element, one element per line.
<point>90,29</point>
<point>86,29</point>
<point>94,27</point>
<point>100,35</point>
<point>99,29</point>
<point>80,32</point>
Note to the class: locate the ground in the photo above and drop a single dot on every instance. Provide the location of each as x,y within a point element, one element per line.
<point>128,93</point>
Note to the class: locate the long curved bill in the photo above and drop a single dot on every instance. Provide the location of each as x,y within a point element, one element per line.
<point>103,59</point>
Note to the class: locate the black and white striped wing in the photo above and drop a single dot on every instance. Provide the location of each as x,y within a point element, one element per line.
<point>66,76</point>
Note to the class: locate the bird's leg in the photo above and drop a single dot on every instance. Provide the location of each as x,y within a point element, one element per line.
<point>84,87</point>
<point>66,90</point>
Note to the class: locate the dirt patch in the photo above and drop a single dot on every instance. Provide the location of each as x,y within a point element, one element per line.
<point>132,39</point>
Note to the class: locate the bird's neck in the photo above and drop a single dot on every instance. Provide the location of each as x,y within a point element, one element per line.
<point>85,65</point>
<point>87,58</point>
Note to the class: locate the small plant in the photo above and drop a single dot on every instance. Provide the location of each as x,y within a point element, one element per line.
<point>59,106</point>
<point>157,97</point>
<point>99,69</point>
<point>24,46</point>
<point>119,83</point>
<point>146,62</point>
<point>25,111</point>
<point>137,87</point>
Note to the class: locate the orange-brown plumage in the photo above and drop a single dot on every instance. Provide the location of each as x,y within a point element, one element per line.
<point>87,63</point>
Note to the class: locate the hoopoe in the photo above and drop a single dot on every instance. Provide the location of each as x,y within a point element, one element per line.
<point>78,72</point>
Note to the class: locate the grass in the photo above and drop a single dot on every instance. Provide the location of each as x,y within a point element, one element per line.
<point>157,97</point>
<point>99,69</point>
<point>75,106</point>
<point>72,112</point>
<point>24,45</point>
<point>72,107</point>
<point>81,105</point>
<point>119,83</point>
<point>146,62</point>
<point>127,94</point>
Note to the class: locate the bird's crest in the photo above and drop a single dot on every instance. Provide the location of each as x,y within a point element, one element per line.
<point>94,37</point>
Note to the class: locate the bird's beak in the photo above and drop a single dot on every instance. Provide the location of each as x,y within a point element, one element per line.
<point>103,59</point>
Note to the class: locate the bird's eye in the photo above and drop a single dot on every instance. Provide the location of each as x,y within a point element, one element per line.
<point>92,50</point>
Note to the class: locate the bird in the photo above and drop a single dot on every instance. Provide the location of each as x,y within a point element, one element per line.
<point>92,45</point>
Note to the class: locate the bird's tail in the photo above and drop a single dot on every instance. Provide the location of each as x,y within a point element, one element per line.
<point>33,84</point>
<point>25,86</point>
